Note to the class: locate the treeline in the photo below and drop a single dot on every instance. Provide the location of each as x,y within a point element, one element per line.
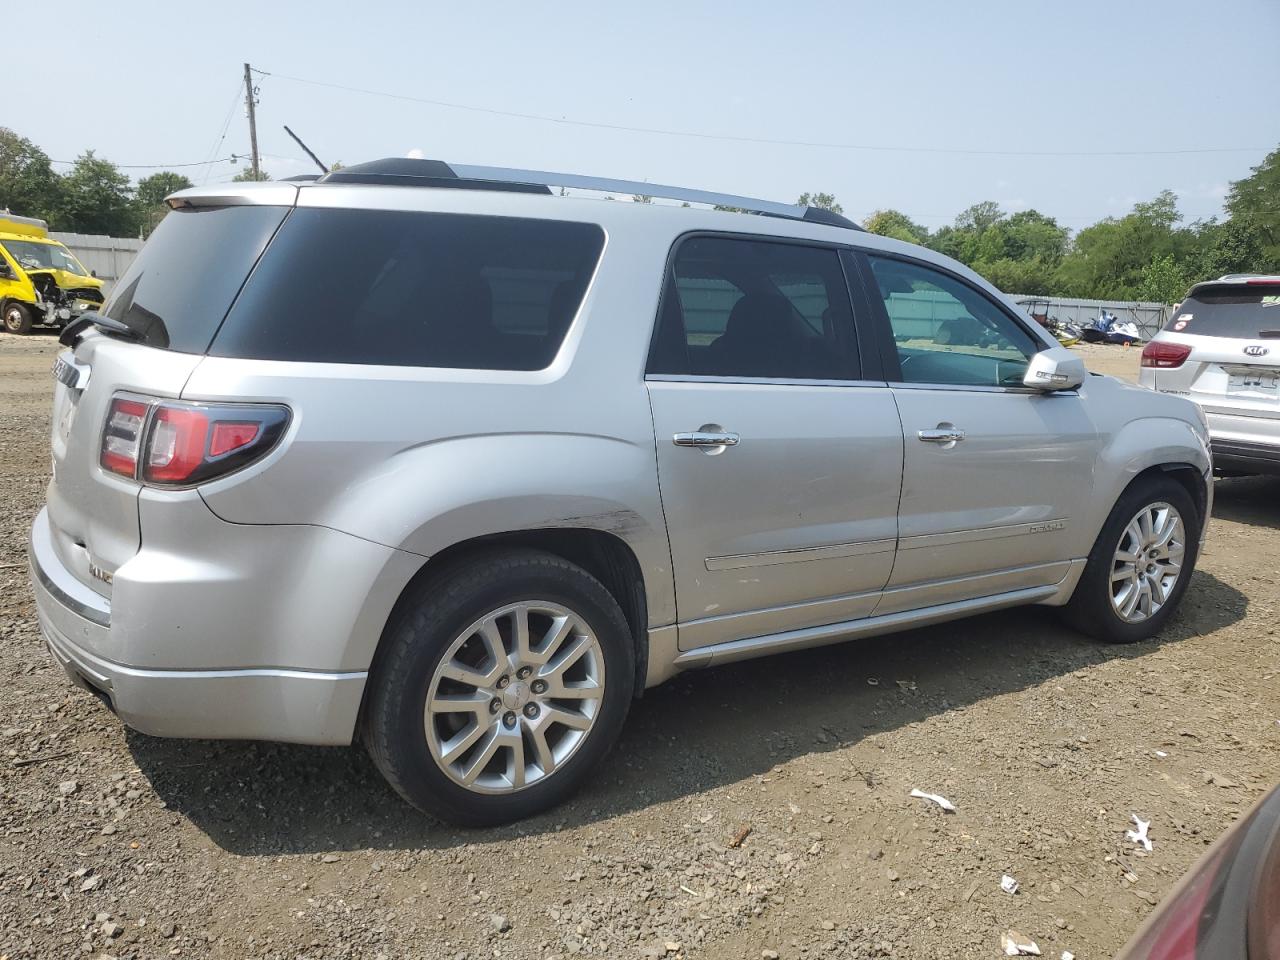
<point>1148,254</point>
<point>94,196</point>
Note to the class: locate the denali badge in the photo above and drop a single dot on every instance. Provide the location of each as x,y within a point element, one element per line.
<point>1256,350</point>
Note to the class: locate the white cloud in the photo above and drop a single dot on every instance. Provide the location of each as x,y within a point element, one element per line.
<point>416,154</point>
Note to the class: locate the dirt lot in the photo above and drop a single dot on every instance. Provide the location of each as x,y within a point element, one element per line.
<point>117,844</point>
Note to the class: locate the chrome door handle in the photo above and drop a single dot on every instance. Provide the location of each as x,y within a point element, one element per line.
<point>951,435</point>
<point>700,438</point>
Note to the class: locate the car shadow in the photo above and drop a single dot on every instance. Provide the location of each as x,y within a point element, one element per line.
<point>1251,500</point>
<point>685,737</point>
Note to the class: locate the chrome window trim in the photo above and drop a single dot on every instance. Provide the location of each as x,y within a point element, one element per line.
<point>765,381</point>
<point>979,388</point>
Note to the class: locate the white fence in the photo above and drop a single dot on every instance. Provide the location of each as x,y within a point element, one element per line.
<point>108,257</point>
<point>1150,317</point>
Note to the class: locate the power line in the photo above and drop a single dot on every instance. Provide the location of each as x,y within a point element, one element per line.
<point>153,166</point>
<point>885,148</point>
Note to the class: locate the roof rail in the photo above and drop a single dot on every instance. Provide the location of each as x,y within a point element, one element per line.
<point>409,171</point>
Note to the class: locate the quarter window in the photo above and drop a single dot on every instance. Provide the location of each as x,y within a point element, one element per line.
<point>946,331</point>
<point>752,308</point>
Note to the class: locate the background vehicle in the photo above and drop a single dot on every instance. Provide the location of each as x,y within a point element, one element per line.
<point>1227,907</point>
<point>1222,349</point>
<point>40,280</point>
<point>525,455</point>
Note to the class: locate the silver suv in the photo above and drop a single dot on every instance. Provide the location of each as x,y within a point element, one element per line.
<point>433,458</point>
<point>1222,350</point>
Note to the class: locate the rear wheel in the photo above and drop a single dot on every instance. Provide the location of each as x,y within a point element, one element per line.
<point>17,318</point>
<point>1140,564</point>
<point>502,684</point>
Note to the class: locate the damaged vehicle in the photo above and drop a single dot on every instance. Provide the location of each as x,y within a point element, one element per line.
<point>41,282</point>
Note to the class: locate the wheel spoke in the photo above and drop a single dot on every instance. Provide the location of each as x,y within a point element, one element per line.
<point>541,749</point>
<point>1144,527</point>
<point>477,703</point>
<point>1125,572</point>
<point>460,743</point>
<point>570,653</point>
<point>1158,593</point>
<point>461,673</point>
<point>515,762</point>
<point>568,718</point>
<point>590,690</point>
<point>520,630</point>
<point>482,756</point>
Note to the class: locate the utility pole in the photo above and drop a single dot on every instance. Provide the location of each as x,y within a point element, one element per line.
<point>250,101</point>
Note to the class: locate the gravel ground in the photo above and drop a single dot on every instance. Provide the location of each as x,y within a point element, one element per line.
<point>757,810</point>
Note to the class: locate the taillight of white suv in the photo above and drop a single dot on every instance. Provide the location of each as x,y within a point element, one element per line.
<point>1165,355</point>
<point>173,443</point>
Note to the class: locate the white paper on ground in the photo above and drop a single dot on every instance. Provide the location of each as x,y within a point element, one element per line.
<point>1139,835</point>
<point>941,801</point>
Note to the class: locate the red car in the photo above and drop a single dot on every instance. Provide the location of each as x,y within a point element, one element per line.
<point>1228,906</point>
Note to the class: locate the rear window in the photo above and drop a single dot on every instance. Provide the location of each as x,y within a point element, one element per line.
<point>1247,311</point>
<point>178,289</point>
<point>413,289</point>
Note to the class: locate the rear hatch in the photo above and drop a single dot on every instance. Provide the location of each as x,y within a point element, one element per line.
<point>1233,331</point>
<point>173,298</point>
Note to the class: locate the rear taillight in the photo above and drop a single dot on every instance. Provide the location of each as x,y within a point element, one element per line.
<point>122,438</point>
<point>170,442</point>
<point>1165,355</point>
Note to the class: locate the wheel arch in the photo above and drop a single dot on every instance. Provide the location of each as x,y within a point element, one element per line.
<point>605,556</point>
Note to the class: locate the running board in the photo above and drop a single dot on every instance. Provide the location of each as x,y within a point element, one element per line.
<point>732,650</point>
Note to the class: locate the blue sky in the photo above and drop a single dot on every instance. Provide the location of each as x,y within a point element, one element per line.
<point>161,79</point>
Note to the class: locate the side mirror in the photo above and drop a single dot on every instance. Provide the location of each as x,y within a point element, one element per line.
<point>1056,368</point>
<point>6,271</point>
<point>94,274</point>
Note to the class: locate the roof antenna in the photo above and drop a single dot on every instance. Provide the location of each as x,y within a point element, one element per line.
<point>306,149</point>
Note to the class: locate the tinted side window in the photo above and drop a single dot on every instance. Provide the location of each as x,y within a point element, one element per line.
<point>414,289</point>
<point>946,331</point>
<point>752,308</point>
<point>178,289</point>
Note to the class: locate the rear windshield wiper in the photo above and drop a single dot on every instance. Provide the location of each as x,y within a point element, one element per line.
<point>71,332</point>
<point>1269,334</point>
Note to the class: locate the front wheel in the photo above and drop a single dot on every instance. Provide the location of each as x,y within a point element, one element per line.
<point>17,318</point>
<point>1140,564</point>
<point>501,685</point>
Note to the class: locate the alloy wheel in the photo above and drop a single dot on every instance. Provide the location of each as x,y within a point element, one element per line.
<point>514,697</point>
<point>1147,562</point>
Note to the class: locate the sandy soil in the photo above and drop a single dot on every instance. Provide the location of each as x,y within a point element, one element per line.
<point>115,844</point>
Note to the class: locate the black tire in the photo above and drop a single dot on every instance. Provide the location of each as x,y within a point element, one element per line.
<point>1090,609</point>
<point>427,621</point>
<point>17,318</point>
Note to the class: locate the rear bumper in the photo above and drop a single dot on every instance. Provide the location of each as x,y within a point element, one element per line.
<point>257,703</point>
<point>1243,456</point>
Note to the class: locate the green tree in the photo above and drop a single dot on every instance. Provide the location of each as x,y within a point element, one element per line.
<point>1255,202</point>
<point>28,185</point>
<point>641,198</point>
<point>1108,259</point>
<point>1162,281</point>
<point>980,216</point>
<point>823,201</point>
<point>247,176</point>
<point>96,198</point>
<point>152,190</point>
<point>896,224</point>
<point>149,197</point>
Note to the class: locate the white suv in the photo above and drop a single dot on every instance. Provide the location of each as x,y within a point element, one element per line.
<point>1222,350</point>
<point>433,458</point>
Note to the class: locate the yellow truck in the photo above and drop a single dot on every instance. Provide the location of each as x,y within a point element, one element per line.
<point>40,280</point>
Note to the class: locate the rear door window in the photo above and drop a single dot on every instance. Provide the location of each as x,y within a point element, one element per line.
<point>1247,311</point>
<point>740,308</point>
<point>178,289</point>
<point>414,289</point>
